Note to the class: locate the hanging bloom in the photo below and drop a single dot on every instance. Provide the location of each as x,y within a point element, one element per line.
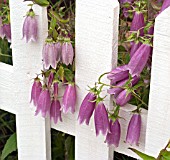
<point>36,90</point>
<point>69,98</point>
<point>1,29</point>
<point>138,23</point>
<point>139,60</point>
<point>55,111</point>
<point>134,48</point>
<point>166,4</point>
<point>101,119</point>
<point>67,53</point>
<point>44,103</point>
<point>30,27</point>
<point>113,137</point>
<point>118,74</point>
<point>7,31</point>
<point>58,46</point>
<point>50,78</point>
<point>87,108</point>
<point>133,132</point>
<point>50,55</point>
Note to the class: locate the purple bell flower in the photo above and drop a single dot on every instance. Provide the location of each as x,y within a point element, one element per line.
<point>113,137</point>
<point>134,48</point>
<point>30,27</point>
<point>118,74</point>
<point>87,107</point>
<point>166,4</point>
<point>50,55</point>
<point>138,23</point>
<point>69,98</point>
<point>36,90</point>
<point>133,132</point>
<point>55,111</point>
<point>50,79</point>
<point>7,31</point>
<point>139,60</point>
<point>101,119</point>
<point>67,53</point>
<point>55,90</point>
<point>44,103</point>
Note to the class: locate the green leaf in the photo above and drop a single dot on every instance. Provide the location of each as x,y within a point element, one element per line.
<point>142,155</point>
<point>10,146</point>
<point>68,75</point>
<point>42,3</point>
<point>69,147</point>
<point>166,155</point>
<point>60,72</point>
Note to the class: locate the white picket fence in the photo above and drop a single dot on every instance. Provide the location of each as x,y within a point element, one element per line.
<point>96,53</point>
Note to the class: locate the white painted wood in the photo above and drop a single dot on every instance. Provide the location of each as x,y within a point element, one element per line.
<point>33,133</point>
<point>158,126</point>
<point>96,53</point>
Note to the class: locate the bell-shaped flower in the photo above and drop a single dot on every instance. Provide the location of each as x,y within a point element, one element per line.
<point>44,103</point>
<point>101,119</point>
<point>30,27</point>
<point>139,60</point>
<point>7,31</point>
<point>69,99</point>
<point>55,92</point>
<point>133,132</point>
<point>36,90</point>
<point>134,48</point>
<point>67,53</point>
<point>118,74</point>
<point>50,55</point>
<point>113,137</point>
<point>50,78</point>
<point>138,23</point>
<point>55,111</point>
<point>87,107</point>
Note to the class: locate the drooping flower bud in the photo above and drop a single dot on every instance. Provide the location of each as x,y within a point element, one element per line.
<point>67,53</point>
<point>36,90</point>
<point>50,78</point>
<point>101,119</point>
<point>50,55</point>
<point>55,111</point>
<point>139,60</point>
<point>87,108</point>
<point>113,137</point>
<point>118,74</point>
<point>55,90</point>
<point>7,31</point>
<point>138,23</point>
<point>69,98</point>
<point>133,132</point>
<point>44,103</point>
<point>30,27</point>
<point>166,4</point>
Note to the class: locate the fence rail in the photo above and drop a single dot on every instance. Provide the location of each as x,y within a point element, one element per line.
<point>96,52</point>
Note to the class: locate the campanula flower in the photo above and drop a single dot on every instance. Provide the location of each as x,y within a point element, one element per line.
<point>113,137</point>
<point>87,107</point>
<point>133,132</point>
<point>101,119</point>
<point>69,98</point>
<point>36,90</point>
<point>7,31</point>
<point>30,27</point>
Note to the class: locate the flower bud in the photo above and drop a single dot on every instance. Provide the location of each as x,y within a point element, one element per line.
<point>44,103</point>
<point>50,79</point>
<point>36,90</point>
<point>69,98</point>
<point>30,27</point>
<point>55,111</point>
<point>67,53</point>
<point>113,137</point>
<point>55,90</point>
<point>87,108</point>
<point>118,74</point>
<point>7,31</point>
<point>101,119</point>
<point>50,55</point>
<point>139,60</point>
<point>133,132</point>
<point>134,48</point>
